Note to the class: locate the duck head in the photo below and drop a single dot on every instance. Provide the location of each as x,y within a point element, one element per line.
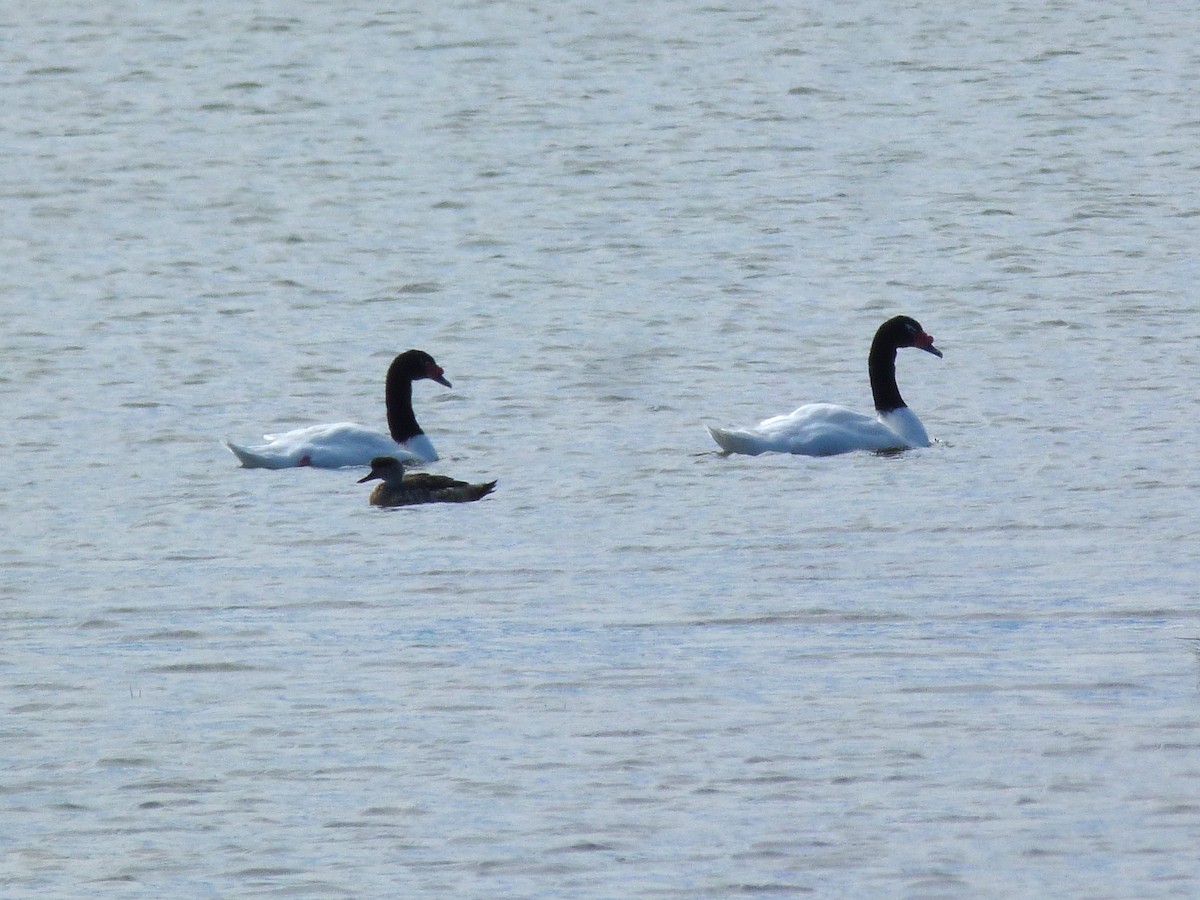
<point>387,468</point>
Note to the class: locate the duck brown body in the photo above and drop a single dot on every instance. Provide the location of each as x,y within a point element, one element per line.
<point>399,489</point>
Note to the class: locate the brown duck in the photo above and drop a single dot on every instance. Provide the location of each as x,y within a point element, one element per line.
<point>399,489</point>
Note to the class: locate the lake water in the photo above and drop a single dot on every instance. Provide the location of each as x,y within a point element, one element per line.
<point>640,668</point>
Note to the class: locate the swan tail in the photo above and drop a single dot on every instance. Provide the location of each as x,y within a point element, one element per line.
<point>251,460</point>
<point>732,441</point>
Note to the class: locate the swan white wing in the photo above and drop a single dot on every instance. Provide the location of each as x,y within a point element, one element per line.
<point>825,429</point>
<point>905,423</point>
<point>328,447</point>
<point>817,429</point>
<point>420,446</point>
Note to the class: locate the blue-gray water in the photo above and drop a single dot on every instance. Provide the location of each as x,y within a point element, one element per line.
<point>640,669</point>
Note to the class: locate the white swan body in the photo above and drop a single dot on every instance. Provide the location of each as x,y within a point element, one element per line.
<point>331,447</point>
<point>346,444</point>
<point>825,429</point>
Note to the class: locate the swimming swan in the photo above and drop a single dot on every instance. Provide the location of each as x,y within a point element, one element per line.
<point>824,429</point>
<point>346,444</point>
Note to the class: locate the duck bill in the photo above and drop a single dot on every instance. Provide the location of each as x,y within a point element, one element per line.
<point>925,342</point>
<point>437,373</point>
<point>369,477</point>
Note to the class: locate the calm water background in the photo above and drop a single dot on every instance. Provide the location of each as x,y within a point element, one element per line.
<point>641,668</point>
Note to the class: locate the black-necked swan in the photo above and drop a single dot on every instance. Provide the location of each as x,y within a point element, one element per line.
<point>346,444</point>
<point>824,429</point>
<point>399,489</point>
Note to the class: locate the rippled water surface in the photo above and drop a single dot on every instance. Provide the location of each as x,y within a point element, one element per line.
<point>640,668</point>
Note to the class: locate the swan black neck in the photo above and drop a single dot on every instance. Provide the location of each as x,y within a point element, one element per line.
<point>405,368</point>
<point>897,332</point>
<point>882,366</point>
<point>402,422</point>
<point>893,334</point>
<point>409,366</point>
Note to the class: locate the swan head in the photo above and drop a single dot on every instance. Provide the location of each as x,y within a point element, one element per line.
<point>903,331</point>
<point>388,468</point>
<point>417,364</point>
